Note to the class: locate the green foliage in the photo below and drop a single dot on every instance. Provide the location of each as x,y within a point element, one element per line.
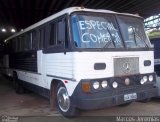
<point>154,34</point>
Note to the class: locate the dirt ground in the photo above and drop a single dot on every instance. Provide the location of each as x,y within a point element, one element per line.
<point>31,104</point>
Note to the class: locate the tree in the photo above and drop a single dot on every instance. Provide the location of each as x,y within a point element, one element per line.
<point>154,34</point>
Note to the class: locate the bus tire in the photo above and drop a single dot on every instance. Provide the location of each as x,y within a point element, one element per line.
<point>63,102</point>
<point>19,89</point>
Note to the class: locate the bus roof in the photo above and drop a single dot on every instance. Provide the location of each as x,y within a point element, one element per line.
<point>67,11</point>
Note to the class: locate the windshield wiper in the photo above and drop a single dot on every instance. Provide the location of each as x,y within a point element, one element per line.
<point>136,35</point>
<point>109,42</point>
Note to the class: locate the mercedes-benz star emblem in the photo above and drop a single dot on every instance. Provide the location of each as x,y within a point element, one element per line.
<point>126,67</point>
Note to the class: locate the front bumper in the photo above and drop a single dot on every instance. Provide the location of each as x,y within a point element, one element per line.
<point>113,100</point>
<point>111,97</point>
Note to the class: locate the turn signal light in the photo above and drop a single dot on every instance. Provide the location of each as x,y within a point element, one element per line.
<point>86,87</point>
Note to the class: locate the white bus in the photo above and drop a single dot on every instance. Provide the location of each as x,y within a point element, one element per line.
<point>83,59</point>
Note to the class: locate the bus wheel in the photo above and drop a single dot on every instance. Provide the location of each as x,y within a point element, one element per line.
<point>18,86</point>
<point>125,104</point>
<point>63,102</point>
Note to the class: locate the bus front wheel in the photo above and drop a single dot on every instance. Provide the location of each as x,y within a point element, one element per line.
<point>63,102</point>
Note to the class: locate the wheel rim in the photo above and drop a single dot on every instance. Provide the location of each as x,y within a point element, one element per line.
<point>63,99</point>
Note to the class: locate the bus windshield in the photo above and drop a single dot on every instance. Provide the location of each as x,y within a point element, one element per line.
<point>99,31</point>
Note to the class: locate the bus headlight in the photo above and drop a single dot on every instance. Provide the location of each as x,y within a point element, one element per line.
<point>145,78</point>
<point>150,77</point>
<point>142,82</point>
<point>96,85</point>
<point>115,84</point>
<point>104,84</point>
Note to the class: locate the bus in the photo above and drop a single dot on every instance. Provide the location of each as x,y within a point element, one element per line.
<point>156,43</point>
<point>83,58</point>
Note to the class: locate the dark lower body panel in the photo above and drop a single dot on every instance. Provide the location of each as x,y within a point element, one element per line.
<point>98,103</point>
<point>103,99</point>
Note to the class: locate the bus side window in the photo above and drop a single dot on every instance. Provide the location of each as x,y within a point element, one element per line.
<point>38,39</point>
<point>57,33</point>
<point>25,42</point>
<point>14,44</point>
<point>34,40</point>
<point>61,33</point>
<point>30,39</point>
<point>52,40</point>
<point>18,44</point>
<point>22,42</point>
<point>41,38</point>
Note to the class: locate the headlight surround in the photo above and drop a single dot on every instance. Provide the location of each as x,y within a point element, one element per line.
<point>104,84</point>
<point>115,84</point>
<point>96,85</point>
<point>150,78</point>
<point>145,78</point>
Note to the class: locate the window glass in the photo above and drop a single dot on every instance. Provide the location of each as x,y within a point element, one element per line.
<point>34,40</point>
<point>25,42</point>
<point>133,32</point>
<point>18,43</point>
<point>95,31</point>
<point>53,34</point>
<point>61,35</point>
<point>14,44</point>
<point>57,32</point>
<point>29,41</point>
<point>38,39</point>
<point>42,38</point>
<point>22,43</point>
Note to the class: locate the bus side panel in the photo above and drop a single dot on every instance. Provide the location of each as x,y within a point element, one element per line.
<point>50,66</point>
<point>59,64</point>
<point>26,61</point>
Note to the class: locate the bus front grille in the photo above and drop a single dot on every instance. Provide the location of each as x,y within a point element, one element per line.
<point>126,66</point>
